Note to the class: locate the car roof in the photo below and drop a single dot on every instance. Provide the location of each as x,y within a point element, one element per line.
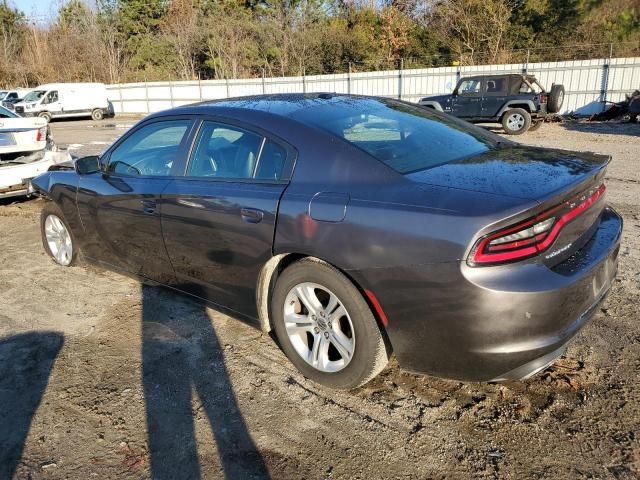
<point>518,76</point>
<point>281,105</point>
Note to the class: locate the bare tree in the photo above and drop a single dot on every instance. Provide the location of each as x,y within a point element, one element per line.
<point>181,30</point>
<point>472,27</point>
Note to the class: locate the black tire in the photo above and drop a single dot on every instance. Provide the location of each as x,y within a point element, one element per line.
<point>369,354</point>
<point>51,209</point>
<point>516,121</point>
<point>97,114</point>
<point>535,125</point>
<point>46,116</point>
<point>556,99</point>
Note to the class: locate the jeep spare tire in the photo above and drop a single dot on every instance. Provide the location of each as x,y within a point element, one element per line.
<point>556,98</point>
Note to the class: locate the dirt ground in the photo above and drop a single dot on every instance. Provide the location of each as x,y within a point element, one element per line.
<point>102,377</point>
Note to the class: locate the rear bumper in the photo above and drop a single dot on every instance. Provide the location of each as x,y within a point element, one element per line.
<point>19,190</point>
<point>494,323</point>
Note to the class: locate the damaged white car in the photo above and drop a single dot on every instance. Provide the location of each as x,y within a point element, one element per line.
<point>26,151</point>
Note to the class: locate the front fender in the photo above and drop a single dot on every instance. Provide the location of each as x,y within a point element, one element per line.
<point>431,104</point>
<point>61,187</point>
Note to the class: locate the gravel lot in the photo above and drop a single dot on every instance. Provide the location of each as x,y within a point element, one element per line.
<point>101,377</point>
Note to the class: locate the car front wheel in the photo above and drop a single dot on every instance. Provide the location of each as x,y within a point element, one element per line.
<point>516,121</point>
<point>325,327</point>
<point>56,236</point>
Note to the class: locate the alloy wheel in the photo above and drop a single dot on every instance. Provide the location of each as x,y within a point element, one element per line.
<point>516,121</point>
<point>319,327</point>
<point>58,240</point>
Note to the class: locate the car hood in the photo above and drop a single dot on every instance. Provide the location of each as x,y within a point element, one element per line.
<point>515,171</point>
<point>436,98</point>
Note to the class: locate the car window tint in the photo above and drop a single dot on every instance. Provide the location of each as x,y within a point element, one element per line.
<point>52,97</point>
<point>524,88</point>
<point>469,87</point>
<point>223,151</point>
<point>4,113</point>
<point>150,150</point>
<point>497,86</point>
<point>272,160</point>
<point>404,137</point>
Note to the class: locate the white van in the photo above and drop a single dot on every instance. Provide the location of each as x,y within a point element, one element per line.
<point>63,100</point>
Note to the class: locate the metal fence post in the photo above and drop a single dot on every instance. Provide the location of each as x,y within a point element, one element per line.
<point>400,78</point>
<point>226,83</point>
<point>199,87</point>
<point>304,80</point>
<point>349,79</point>
<point>146,94</point>
<point>264,87</point>
<point>171,93</point>
<point>606,71</point>
<point>526,65</point>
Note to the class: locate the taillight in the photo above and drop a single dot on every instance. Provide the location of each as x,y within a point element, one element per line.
<point>42,134</point>
<point>532,236</point>
<point>543,98</point>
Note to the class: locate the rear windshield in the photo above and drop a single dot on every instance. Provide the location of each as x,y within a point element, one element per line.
<point>5,113</point>
<point>404,137</point>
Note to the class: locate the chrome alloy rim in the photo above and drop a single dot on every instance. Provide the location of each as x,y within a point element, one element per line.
<point>58,239</point>
<point>515,121</point>
<point>319,327</point>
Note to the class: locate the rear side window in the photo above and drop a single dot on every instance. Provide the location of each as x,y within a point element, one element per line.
<point>224,151</point>
<point>150,150</point>
<point>272,161</point>
<point>229,152</point>
<point>405,138</point>
<point>497,86</point>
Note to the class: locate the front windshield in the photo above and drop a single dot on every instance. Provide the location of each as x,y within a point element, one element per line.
<point>34,96</point>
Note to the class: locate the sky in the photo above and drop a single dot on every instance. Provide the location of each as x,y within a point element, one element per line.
<point>39,10</point>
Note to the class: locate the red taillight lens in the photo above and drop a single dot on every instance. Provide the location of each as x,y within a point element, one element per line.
<point>42,134</point>
<point>543,98</point>
<point>532,236</point>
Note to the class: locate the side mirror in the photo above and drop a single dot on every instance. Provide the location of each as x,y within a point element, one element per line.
<point>88,165</point>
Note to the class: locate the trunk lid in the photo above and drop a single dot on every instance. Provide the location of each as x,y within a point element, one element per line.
<point>516,171</point>
<point>551,178</point>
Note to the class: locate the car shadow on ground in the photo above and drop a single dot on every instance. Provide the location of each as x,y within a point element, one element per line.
<point>26,361</point>
<point>608,128</point>
<point>182,357</point>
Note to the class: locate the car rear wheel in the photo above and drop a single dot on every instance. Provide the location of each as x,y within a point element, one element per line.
<point>325,327</point>
<point>56,236</point>
<point>97,114</point>
<point>516,121</point>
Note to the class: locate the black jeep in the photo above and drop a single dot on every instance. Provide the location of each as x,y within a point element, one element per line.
<point>517,101</point>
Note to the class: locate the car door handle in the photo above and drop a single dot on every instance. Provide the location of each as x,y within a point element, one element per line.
<point>149,206</point>
<point>251,215</point>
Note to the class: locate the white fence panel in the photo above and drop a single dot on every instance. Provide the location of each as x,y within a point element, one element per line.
<point>589,84</point>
